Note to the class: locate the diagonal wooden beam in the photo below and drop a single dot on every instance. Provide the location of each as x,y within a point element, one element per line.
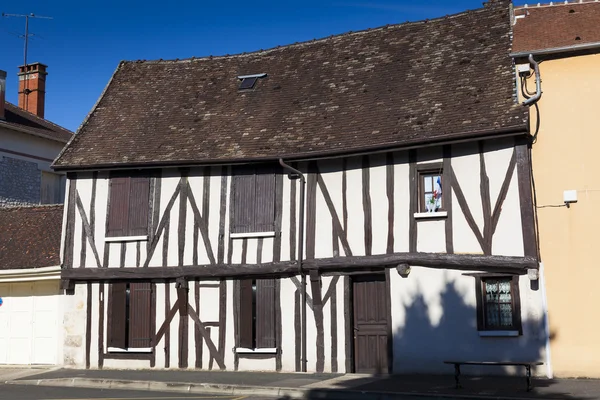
<point>484,190</point>
<point>334,216</point>
<point>218,357</point>
<point>504,190</point>
<point>330,289</point>
<point>462,202</point>
<point>298,285</point>
<point>163,221</point>
<point>87,229</point>
<point>202,224</point>
<point>165,324</point>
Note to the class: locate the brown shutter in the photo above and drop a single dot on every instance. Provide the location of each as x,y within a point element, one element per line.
<point>265,313</point>
<point>243,203</point>
<point>118,208</point>
<point>246,314</point>
<point>264,217</point>
<point>117,315</point>
<point>480,304</point>
<point>140,314</point>
<point>516,298</point>
<point>139,202</point>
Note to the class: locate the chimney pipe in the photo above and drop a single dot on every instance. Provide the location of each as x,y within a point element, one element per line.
<point>2,93</point>
<point>32,88</point>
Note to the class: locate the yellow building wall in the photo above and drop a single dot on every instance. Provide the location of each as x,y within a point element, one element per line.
<point>566,156</point>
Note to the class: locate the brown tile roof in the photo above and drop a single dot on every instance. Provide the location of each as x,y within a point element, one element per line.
<point>391,86</point>
<point>20,119</point>
<point>30,236</point>
<point>558,25</point>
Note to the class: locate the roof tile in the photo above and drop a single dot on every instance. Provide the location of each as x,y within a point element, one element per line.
<point>30,236</point>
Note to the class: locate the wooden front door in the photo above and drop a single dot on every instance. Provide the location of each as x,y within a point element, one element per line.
<point>370,324</point>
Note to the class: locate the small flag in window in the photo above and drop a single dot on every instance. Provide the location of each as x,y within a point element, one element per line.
<point>439,182</point>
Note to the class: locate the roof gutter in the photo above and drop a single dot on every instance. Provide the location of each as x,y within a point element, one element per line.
<point>30,274</point>
<point>473,136</point>
<point>557,50</point>
<point>300,255</point>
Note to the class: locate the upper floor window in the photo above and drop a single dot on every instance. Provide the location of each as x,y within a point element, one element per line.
<point>498,304</point>
<point>253,200</point>
<point>129,205</point>
<point>430,183</point>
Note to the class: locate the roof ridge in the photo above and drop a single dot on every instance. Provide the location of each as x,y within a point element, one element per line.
<point>556,4</point>
<point>307,42</point>
<point>44,120</point>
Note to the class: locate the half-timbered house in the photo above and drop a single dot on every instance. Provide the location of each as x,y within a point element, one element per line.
<point>355,203</point>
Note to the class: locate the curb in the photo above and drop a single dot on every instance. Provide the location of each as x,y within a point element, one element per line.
<point>236,390</point>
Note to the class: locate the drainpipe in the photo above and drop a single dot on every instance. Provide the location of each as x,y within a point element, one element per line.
<point>300,257</point>
<point>538,83</point>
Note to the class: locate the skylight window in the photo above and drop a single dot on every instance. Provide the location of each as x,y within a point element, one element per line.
<point>248,81</point>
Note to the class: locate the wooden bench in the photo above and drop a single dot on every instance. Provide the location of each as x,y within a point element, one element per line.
<point>527,366</point>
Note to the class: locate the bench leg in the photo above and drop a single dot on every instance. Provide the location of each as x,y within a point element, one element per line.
<point>528,369</point>
<point>457,375</point>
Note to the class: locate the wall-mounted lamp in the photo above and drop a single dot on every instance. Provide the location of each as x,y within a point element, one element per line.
<point>569,196</point>
<point>403,270</point>
<point>533,274</point>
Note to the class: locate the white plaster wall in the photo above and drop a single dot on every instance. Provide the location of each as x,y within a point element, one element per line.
<point>30,145</point>
<point>434,319</point>
<point>465,163</point>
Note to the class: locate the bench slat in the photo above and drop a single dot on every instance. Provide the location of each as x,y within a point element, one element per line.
<point>499,363</point>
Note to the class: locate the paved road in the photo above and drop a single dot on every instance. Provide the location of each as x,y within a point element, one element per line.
<point>23,392</point>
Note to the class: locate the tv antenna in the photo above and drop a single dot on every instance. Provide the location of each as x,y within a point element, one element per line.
<point>26,37</point>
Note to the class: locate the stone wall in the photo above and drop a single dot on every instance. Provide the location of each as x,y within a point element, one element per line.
<point>20,182</point>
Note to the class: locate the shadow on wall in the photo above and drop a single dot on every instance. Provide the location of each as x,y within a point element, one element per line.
<point>421,345</point>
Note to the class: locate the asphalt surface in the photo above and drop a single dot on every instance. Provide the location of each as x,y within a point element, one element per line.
<point>23,392</point>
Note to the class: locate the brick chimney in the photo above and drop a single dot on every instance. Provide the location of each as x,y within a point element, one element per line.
<point>2,93</point>
<point>32,88</point>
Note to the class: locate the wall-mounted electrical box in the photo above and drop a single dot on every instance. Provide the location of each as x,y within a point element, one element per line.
<point>523,69</point>
<point>570,196</point>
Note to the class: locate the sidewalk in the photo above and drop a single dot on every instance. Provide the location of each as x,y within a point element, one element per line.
<point>316,386</point>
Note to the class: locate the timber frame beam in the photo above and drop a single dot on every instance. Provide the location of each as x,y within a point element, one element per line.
<point>465,262</point>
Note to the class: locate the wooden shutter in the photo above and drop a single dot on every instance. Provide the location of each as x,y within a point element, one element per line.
<point>264,217</point>
<point>265,313</point>
<point>118,208</point>
<point>140,314</point>
<point>139,203</point>
<point>480,304</point>
<point>516,299</point>
<point>246,316</point>
<point>243,203</point>
<point>117,315</point>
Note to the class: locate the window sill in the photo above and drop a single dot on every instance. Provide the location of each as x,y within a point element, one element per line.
<point>498,333</point>
<point>142,238</point>
<point>431,215</point>
<point>243,350</point>
<point>133,350</point>
<point>251,235</point>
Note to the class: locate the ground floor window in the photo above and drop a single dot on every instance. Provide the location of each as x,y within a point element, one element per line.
<point>130,317</point>
<point>257,314</point>
<point>498,303</point>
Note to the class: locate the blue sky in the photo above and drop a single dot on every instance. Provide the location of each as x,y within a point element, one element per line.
<point>84,42</point>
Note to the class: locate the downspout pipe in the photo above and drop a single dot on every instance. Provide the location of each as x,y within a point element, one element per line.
<point>538,83</point>
<point>300,256</point>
